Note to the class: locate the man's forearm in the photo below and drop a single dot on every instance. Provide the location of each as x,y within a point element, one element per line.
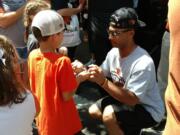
<point>68,11</point>
<point>120,94</point>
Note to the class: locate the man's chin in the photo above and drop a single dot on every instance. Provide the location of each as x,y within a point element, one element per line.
<point>114,45</point>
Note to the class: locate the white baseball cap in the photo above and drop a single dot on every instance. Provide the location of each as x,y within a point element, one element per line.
<point>49,22</point>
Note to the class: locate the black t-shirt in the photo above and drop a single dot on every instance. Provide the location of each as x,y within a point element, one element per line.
<point>108,6</point>
<point>99,13</point>
<point>58,4</point>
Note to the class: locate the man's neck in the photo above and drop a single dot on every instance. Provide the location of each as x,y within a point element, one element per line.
<point>124,52</point>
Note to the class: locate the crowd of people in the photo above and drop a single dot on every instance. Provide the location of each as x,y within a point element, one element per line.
<point>39,74</point>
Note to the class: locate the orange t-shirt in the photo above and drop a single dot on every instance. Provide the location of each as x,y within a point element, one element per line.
<point>50,75</point>
<point>172,96</point>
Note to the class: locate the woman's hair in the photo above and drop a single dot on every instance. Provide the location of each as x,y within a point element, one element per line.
<point>31,9</point>
<point>11,88</point>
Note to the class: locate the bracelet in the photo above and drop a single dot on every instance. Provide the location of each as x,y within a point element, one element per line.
<point>104,83</point>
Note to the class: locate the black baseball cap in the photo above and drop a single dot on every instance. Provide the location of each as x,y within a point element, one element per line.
<point>126,18</point>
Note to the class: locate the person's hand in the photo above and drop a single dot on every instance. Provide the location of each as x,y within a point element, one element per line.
<point>82,76</point>
<point>82,4</point>
<point>78,67</point>
<point>63,51</point>
<point>96,74</point>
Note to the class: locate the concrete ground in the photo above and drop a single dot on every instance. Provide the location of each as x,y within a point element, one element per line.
<point>88,94</point>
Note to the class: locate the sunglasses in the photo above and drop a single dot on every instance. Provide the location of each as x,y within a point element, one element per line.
<point>117,32</point>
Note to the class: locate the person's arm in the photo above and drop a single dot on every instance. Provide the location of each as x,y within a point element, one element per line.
<point>72,11</point>
<point>37,105</point>
<point>79,78</point>
<point>119,93</point>
<point>70,84</point>
<point>9,18</point>
<point>174,56</point>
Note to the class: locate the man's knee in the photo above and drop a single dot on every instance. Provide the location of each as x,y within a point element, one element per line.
<point>109,115</point>
<point>95,112</point>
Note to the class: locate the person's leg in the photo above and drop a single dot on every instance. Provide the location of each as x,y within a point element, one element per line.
<point>110,121</point>
<point>103,110</point>
<point>95,112</point>
<point>122,118</point>
<point>96,109</point>
<point>133,119</point>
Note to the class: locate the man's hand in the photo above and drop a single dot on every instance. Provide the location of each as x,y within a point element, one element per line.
<point>96,74</point>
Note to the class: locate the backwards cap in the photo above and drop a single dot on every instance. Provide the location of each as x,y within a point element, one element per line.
<point>49,22</point>
<point>126,18</point>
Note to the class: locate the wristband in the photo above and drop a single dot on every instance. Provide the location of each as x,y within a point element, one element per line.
<point>104,83</point>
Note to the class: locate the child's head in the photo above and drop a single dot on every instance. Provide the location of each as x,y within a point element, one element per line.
<point>10,86</point>
<point>47,23</point>
<point>32,8</point>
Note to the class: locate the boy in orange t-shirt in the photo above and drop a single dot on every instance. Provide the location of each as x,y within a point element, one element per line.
<point>52,78</point>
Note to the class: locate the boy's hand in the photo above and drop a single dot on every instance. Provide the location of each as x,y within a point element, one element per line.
<point>78,67</point>
<point>82,76</point>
